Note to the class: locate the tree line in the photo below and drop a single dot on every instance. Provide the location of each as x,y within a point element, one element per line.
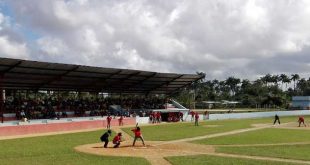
<point>271,90</point>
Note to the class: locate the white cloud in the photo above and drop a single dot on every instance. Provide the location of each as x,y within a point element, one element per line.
<point>12,49</point>
<point>52,46</point>
<point>220,37</point>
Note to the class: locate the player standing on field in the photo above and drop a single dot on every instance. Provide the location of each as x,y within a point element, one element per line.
<point>138,134</point>
<point>301,120</point>
<point>196,118</point>
<point>276,118</point>
<point>109,118</point>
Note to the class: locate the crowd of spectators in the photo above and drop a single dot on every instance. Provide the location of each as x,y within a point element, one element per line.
<point>50,108</point>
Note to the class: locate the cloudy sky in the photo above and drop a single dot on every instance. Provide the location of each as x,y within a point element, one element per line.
<point>241,38</point>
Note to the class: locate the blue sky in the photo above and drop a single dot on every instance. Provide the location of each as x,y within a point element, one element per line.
<point>241,38</point>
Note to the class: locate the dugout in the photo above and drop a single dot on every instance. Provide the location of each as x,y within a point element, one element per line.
<point>18,74</point>
<point>172,115</point>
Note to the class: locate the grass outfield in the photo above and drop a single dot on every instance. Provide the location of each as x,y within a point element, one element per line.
<point>173,131</point>
<point>299,152</point>
<point>57,149</point>
<point>216,160</point>
<point>264,136</point>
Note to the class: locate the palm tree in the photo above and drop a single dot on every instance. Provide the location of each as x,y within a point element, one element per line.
<point>266,79</point>
<point>232,82</point>
<point>302,86</point>
<point>275,79</point>
<point>295,77</point>
<point>284,79</point>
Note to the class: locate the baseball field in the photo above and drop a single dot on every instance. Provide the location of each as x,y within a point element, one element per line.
<point>246,141</point>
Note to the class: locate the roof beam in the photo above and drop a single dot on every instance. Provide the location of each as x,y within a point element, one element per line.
<point>103,80</point>
<point>188,84</point>
<point>141,81</point>
<point>127,77</point>
<point>12,66</point>
<point>166,83</point>
<point>59,77</point>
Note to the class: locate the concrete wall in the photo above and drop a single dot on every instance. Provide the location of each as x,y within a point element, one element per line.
<point>145,120</point>
<point>257,114</point>
<point>46,126</point>
<point>142,120</point>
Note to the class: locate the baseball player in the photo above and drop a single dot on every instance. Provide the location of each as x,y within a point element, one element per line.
<point>117,140</point>
<point>138,134</point>
<point>109,118</point>
<point>301,120</point>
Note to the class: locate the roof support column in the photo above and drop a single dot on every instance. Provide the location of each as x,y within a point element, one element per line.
<point>1,98</point>
<point>166,96</point>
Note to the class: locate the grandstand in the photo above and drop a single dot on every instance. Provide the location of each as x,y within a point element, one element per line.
<point>18,78</point>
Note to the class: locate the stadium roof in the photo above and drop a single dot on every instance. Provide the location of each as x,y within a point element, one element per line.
<point>34,75</point>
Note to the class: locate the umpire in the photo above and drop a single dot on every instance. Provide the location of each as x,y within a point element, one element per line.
<point>105,138</point>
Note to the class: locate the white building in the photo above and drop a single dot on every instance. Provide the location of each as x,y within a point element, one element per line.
<point>301,102</point>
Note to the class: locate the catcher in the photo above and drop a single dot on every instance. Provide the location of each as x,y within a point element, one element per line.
<point>117,140</point>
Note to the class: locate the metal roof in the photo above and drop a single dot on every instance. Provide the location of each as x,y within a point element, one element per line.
<point>25,74</point>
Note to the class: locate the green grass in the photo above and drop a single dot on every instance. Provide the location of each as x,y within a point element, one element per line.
<point>57,149</point>
<point>173,131</point>
<point>264,136</point>
<point>216,160</point>
<point>300,152</point>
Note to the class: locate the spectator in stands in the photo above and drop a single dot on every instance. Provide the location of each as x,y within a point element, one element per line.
<point>22,114</point>
<point>105,138</point>
<point>58,116</point>
<point>181,116</point>
<point>117,140</point>
<point>64,114</point>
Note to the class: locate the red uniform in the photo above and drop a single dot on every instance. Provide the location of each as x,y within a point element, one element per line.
<point>109,118</point>
<point>120,121</point>
<point>301,119</point>
<point>117,139</point>
<point>196,116</point>
<point>137,132</point>
<point>196,119</point>
<point>193,115</point>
